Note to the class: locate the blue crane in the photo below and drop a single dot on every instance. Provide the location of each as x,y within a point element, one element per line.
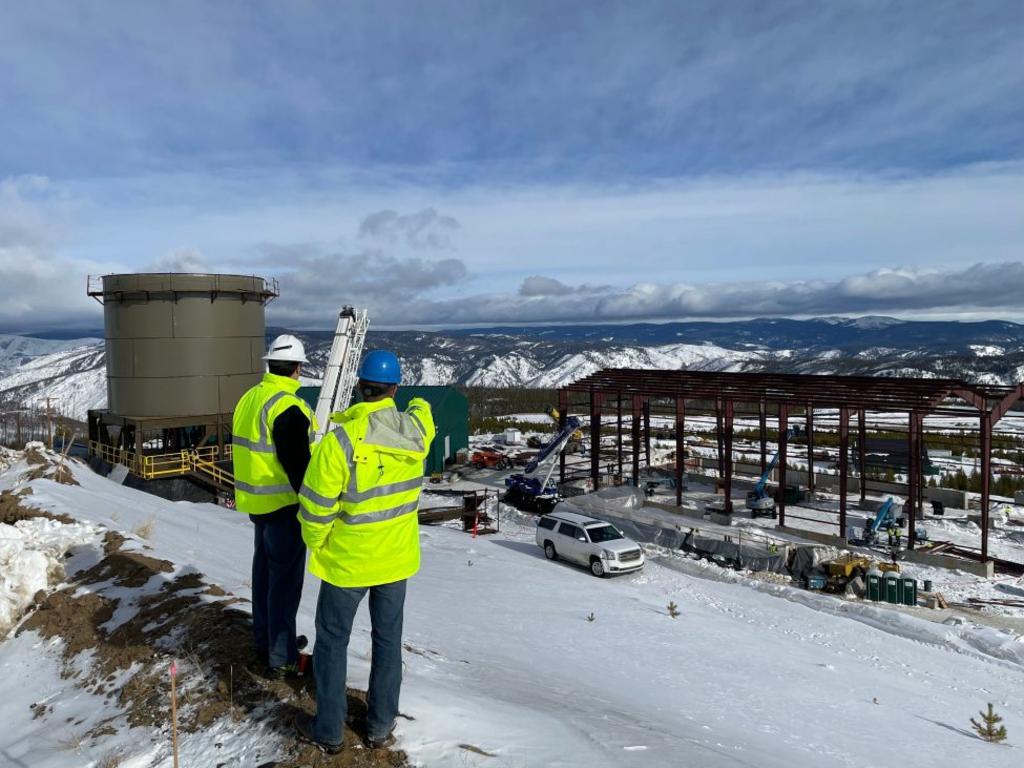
<point>759,501</point>
<point>532,493</point>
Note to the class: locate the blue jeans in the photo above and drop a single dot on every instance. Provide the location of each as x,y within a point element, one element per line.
<point>278,567</point>
<point>335,612</point>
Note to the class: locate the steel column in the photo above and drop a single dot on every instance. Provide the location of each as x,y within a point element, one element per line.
<point>618,431</point>
<point>647,432</point>
<point>844,462</point>
<point>780,499</point>
<point>762,414</point>
<point>718,438</point>
<point>913,470</point>
<point>563,408</point>
<point>596,401</point>
<point>680,448</point>
<point>637,407</point>
<point>809,424</point>
<point>986,477</point>
<point>728,456</point>
<point>862,436</point>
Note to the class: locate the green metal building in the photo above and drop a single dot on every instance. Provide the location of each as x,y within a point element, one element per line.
<point>451,414</point>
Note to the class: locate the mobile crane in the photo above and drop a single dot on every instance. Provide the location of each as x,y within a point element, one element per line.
<point>759,501</point>
<point>531,494</point>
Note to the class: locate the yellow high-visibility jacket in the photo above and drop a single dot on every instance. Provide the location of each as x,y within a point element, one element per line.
<point>261,484</point>
<point>361,493</point>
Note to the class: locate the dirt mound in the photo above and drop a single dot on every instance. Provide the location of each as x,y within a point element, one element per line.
<point>48,464</point>
<point>13,507</point>
<point>164,617</point>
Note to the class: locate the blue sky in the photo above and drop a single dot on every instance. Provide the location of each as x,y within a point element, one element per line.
<point>467,162</point>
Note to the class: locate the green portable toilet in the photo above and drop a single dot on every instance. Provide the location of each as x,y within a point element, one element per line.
<point>910,591</point>
<point>874,579</point>
<point>892,588</point>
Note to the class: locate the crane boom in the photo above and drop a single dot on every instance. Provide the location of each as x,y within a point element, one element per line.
<point>342,366</point>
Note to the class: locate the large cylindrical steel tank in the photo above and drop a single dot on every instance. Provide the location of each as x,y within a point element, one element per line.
<point>182,344</point>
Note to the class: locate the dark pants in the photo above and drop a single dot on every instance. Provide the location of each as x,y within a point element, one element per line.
<point>278,567</point>
<point>335,612</point>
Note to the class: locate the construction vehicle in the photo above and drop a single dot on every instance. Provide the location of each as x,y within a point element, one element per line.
<point>759,501</point>
<point>531,494</point>
<point>486,458</point>
<point>341,373</point>
<point>576,443</point>
<point>885,520</point>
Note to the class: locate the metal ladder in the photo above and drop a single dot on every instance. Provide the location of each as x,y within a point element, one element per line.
<point>342,366</point>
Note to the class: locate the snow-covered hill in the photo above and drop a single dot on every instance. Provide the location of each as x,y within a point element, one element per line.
<point>71,372</point>
<point>503,666</point>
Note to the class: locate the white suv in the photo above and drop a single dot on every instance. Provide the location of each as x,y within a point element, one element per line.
<point>594,543</point>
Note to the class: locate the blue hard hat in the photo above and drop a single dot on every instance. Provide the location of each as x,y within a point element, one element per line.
<point>381,366</point>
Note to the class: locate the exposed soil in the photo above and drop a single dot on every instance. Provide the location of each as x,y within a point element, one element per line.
<point>186,619</point>
<point>14,507</point>
<point>50,467</point>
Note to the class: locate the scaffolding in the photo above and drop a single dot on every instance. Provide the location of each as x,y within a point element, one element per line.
<point>632,393</point>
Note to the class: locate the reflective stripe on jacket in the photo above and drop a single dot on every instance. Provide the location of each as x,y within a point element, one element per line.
<point>360,496</point>
<point>261,483</point>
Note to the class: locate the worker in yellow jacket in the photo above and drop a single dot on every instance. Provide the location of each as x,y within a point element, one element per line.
<point>272,433</point>
<point>358,507</point>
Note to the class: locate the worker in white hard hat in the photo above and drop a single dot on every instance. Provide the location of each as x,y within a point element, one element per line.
<point>272,433</point>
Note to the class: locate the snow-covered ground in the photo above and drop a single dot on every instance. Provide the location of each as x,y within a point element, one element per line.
<point>502,658</point>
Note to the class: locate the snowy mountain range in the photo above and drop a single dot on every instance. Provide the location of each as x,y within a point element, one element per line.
<point>71,371</point>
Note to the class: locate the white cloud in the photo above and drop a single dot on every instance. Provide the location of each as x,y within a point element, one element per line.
<point>180,260</point>
<point>39,288</point>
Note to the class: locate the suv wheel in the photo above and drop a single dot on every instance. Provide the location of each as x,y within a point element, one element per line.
<point>549,551</point>
<point>597,567</point>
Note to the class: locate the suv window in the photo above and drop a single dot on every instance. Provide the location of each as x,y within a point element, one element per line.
<point>547,523</point>
<point>599,533</point>
<point>570,530</point>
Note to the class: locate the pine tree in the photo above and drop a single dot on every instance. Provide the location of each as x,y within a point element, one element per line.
<point>987,729</point>
<point>673,610</point>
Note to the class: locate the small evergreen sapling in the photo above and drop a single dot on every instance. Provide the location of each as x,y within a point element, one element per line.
<point>591,616</point>
<point>673,609</point>
<point>989,728</point>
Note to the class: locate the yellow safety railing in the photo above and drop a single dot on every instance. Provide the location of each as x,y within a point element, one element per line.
<point>213,471</point>
<point>154,466</point>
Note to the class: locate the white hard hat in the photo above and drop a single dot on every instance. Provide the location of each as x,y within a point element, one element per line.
<point>286,349</point>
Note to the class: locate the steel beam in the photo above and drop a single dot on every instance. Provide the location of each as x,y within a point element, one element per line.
<point>862,451</point>
<point>563,409</point>
<point>986,477</point>
<point>618,430</point>
<point>762,414</point>
<point>680,449</point>
<point>809,424</point>
<point>913,478</point>
<point>780,500</point>
<point>647,432</point>
<point>637,409</point>
<point>844,466</point>
<point>728,456</point>
<point>596,400</point>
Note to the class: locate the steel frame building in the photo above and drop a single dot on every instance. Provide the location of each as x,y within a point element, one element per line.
<point>778,395</point>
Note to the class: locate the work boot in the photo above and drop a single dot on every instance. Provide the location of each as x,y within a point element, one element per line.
<point>380,742</point>
<point>285,672</point>
<point>304,732</point>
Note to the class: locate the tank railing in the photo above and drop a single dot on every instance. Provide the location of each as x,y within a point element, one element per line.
<point>267,290</point>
